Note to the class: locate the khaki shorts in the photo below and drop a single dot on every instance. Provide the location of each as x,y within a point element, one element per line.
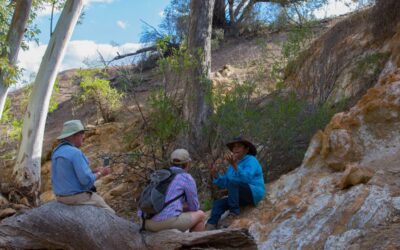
<point>182,222</point>
<point>85,199</point>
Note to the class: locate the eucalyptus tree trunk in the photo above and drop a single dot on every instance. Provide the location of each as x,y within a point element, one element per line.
<point>27,168</point>
<point>196,109</point>
<point>14,40</point>
<point>219,19</point>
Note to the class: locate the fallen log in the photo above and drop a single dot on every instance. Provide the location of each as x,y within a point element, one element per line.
<point>58,226</point>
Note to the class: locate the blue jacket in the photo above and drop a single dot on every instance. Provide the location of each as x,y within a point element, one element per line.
<point>249,171</point>
<point>70,171</point>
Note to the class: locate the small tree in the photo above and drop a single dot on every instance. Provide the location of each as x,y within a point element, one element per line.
<point>97,90</point>
<point>164,122</point>
<point>10,47</point>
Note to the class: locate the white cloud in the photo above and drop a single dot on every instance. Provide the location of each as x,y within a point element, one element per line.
<point>46,11</point>
<point>335,8</point>
<point>121,24</point>
<point>78,53</point>
<point>99,1</point>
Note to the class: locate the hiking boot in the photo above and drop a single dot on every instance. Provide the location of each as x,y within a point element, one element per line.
<point>228,220</point>
<point>210,227</point>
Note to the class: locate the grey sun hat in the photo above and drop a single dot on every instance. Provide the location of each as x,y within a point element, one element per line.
<point>70,128</point>
<point>180,156</point>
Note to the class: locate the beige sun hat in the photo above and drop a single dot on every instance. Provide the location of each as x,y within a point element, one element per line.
<point>70,128</point>
<point>180,156</point>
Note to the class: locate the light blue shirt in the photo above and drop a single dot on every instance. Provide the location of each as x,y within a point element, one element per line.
<point>249,171</point>
<point>70,171</point>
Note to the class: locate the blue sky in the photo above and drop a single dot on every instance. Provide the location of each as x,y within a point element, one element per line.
<point>109,27</point>
<point>107,21</point>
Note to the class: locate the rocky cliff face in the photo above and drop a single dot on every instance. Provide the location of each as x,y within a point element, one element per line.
<point>346,61</point>
<point>346,194</point>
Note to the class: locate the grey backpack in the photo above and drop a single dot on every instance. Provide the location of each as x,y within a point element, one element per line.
<point>152,199</point>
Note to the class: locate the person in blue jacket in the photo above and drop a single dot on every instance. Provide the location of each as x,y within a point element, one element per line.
<point>243,179</point>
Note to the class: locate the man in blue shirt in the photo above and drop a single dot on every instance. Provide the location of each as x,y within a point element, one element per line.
<point>243,179</point>
<point>71,177</point>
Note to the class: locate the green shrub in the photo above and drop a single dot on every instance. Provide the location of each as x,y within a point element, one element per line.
<point>12,72</point>
<point>6,111</point>
<point>206,204</point>
<point>13,118</point>
<point>15,133</point>
<point>370,65</point>
<point>281,125</point>
<point>234,113</point>
<point>53,105</point>
<point>27,91</point>
<point>165,121</point>
<point>97,90</point>
<point>216,38</point>
<point>176,66</point>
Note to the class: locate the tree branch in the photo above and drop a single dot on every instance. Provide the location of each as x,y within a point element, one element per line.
<point>239,7</point>
<point>143,50</point>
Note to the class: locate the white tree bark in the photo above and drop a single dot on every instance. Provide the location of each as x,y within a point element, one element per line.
<point>27,168</point>
<point>14,39</point>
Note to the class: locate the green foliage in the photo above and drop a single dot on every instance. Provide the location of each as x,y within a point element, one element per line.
<point>6,112</point>
<point>15,133</point>
<point>13,118</point>
<point>53,105</point>
<point>370,65</point>
<point>179,62</point>
<point>11,72</point>
<point>206,204</point>
<point>293,53</point>
<point>283,124</point>
<point>291,123</point>
<point>165,122</point>
<point>234,113</point>
<point>298,38</point>
<point>177,67</point>
<point>11,123</point>
<point>97,90</point>
<point>27,91</point>
<point>216,38</point>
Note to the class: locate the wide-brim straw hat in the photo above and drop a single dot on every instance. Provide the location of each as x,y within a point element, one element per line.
<point>70,128</point>
<point>247,143</point>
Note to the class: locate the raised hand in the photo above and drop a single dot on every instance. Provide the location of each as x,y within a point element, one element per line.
<point>105,171</point>
<point>231,159</point>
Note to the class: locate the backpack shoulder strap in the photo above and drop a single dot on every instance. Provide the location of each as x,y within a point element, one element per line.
<point>174,199</point>
<point>174,172</point>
